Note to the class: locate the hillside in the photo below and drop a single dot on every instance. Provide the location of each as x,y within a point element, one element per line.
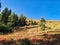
<point>34,32</point>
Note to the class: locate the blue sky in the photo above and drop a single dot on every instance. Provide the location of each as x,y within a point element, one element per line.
<point>49,9</point>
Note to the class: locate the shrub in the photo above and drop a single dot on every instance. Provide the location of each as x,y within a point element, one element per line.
<point>42,20</point>
<point>34,23</point>
<point>5,29</point>
<point>49,27</point>
<point>43,27</point>
<point>42,24</point>
<point>30,22</point>
<point>25,42</point>
<point>22,20</point>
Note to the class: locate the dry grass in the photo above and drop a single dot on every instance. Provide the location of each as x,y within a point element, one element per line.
<point>34,32</point>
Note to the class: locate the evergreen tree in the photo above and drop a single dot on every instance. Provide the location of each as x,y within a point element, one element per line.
<point>22,20</point>
<point>13,20</point>
<point>31,22</point>
<point>42,24</point>
<point>5,14</point>
<point>42,20</point>
<point>0,17</point>
<point>15,17</point>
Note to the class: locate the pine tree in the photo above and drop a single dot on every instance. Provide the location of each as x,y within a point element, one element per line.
<point>42,24</point>
<point>22,20</point>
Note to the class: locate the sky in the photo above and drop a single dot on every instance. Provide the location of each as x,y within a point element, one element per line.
<point>35,9</point>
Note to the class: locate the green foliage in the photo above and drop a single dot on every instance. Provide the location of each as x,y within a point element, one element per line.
<point>43,27</point>
<point>49,27</point>
<point>34,23</point>
<point>31,22</point>
<point>13,20</point>
<point>25,42</point>
<point>22,20</point>
<point>5,29</point>
<point>42,24</point>
<point>42,20</point>
<point>0,17</point>
<point>8,20</point>
<point>5,14</point>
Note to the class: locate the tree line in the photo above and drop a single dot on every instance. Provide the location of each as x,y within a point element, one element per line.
<point>9,20</point>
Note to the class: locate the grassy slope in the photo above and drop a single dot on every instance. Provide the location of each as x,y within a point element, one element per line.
<point>34,32</point>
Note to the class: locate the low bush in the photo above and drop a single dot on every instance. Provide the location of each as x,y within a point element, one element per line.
<point>25,42</point>
<point>5,29</point>
<point>49,27</point>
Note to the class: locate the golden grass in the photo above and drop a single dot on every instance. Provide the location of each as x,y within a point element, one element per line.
<point>34,32</point>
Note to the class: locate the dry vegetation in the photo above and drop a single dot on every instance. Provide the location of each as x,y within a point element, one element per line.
<point>34,33</point>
